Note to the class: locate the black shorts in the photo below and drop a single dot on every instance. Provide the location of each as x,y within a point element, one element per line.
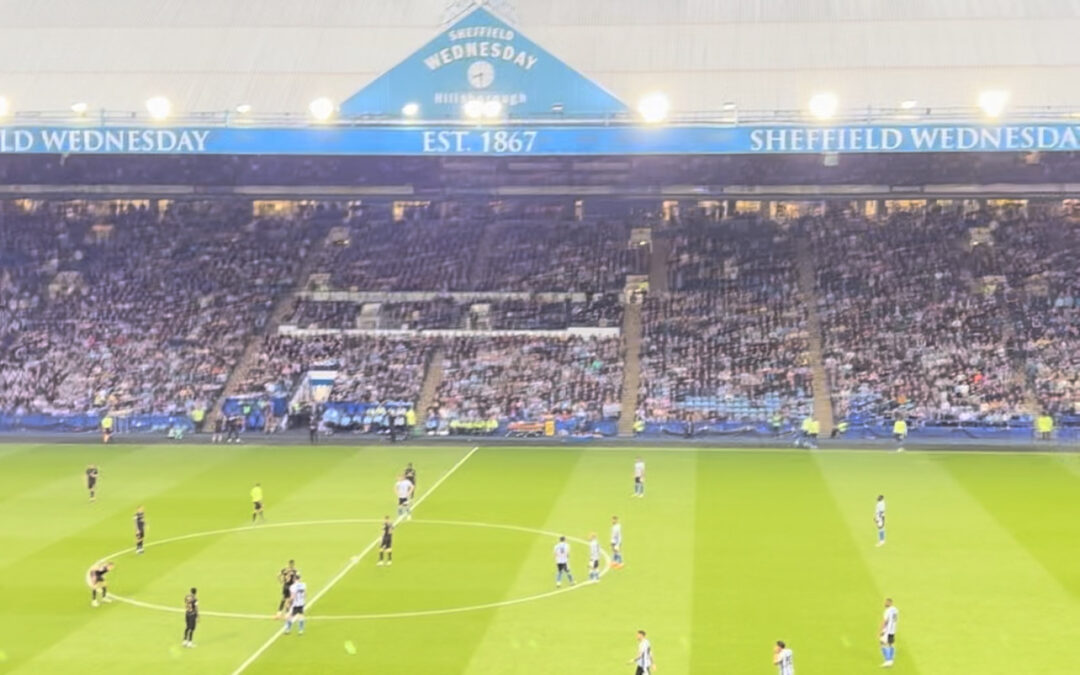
<point>91,483</point>
<point>641,670</point>
<point>387,542</point>
<point>140,535</point>
<point>402,501</point>
<point>190,619</point>
<point>898,437</point>
<point>258,506</point>
<point>890,638</point>
<point>107,432</point>
<point>285,592</point>
<point>637,479</point>
<point>296,609</point>
<point>595,564</point>
<point>562,567</point>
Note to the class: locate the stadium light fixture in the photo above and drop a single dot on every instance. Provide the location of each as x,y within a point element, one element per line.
<point>79,108</point>
<point>410,109</point>
<point>654,107</point>
<point>243,108</point>
<point>473,109</point>
<point>5,107</point>
<point>729,106</point>
<point>492,109</point>
<point>322,109</point>
<point>992,102</point>
<point>159,107</point>
<point>823,106</point>
<point>908,104</point>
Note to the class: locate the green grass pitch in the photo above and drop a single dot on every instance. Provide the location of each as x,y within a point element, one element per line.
<point>728,552</point>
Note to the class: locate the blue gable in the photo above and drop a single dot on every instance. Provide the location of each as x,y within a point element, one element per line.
<point>482,57</point>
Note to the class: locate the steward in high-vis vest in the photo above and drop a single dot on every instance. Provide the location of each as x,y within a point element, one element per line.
<point>899,432</point>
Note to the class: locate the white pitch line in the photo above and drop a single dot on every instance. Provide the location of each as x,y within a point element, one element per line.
<point>388,615</point>
<point>352,563</point>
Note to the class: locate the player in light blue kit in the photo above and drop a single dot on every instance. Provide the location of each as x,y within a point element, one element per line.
<point>879,519</point>
<point>297,598</point>
<point>562,562</point>
<point>888,633</point>
<point>616,543</point>
<point>594,558</point>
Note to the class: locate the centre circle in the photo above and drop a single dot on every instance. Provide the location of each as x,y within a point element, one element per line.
<point>605,568</point>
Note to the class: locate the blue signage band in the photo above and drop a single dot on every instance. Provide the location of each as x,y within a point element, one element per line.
<point>422,140</point>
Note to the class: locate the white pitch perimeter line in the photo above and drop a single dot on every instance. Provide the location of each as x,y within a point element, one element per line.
<point>353,563</point>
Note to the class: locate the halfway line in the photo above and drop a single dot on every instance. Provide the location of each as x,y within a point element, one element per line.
<point>354,562</point>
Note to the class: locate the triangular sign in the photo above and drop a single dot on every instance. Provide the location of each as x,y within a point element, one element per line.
<point>481,57</point>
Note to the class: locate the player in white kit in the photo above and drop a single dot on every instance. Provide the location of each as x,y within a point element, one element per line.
<point>879,519</point>
<point>644,659</point>
<point>562,562</point>
<point>594,558</point>
<point>404,491</point>
<point>297,598</point>
<point>783,659</point>
<point>639,477</point>
<point>616,543</point>
<point>888,633</point>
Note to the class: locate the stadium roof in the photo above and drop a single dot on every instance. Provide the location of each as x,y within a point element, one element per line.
<point>278,55</point>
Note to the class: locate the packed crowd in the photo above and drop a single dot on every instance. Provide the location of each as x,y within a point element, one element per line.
<point>600,310</point>
<point>939,316</point>
<point>138,310</point>
<point>1037,258</point>
<point>369,368</point>
<point>527,378</point>
<point>906,328</point>
<point>460,254</point>
<point>729,343</point>
<point>568,257</point>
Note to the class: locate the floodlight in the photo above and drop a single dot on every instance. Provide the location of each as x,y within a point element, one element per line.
<point>654,107</point>
<point>322,109</point>
<point>824,105</point>
<point>473,109</point>
<point>5,107</point>
<point>159,107</point>
<point>492,108</point>
<point>410,109</point>
<point>992,102</point>
<point>243,108</point>
<point>79,108</point>
<point>908,104</point>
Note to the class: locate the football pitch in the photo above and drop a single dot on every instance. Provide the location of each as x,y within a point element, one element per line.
<point>729,551</point>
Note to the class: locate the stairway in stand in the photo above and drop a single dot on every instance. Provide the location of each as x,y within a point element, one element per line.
<point>658,264</point>
<point>433,377</point>
<point>823,409</point>
<point>250,355</point>
<point>631,332</point>
<point>483,248</point>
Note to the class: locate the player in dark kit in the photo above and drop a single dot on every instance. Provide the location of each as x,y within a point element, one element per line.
<point>410,475</point>
<point>91,481</point>
<point>140,529</point>
<point>313,428</point>
<point>98,583</point>
<point>191,617</point>
<point>287,576</point>
<point>386,546</point>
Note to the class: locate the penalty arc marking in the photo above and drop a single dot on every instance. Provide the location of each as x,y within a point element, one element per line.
<point>360,617</point>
